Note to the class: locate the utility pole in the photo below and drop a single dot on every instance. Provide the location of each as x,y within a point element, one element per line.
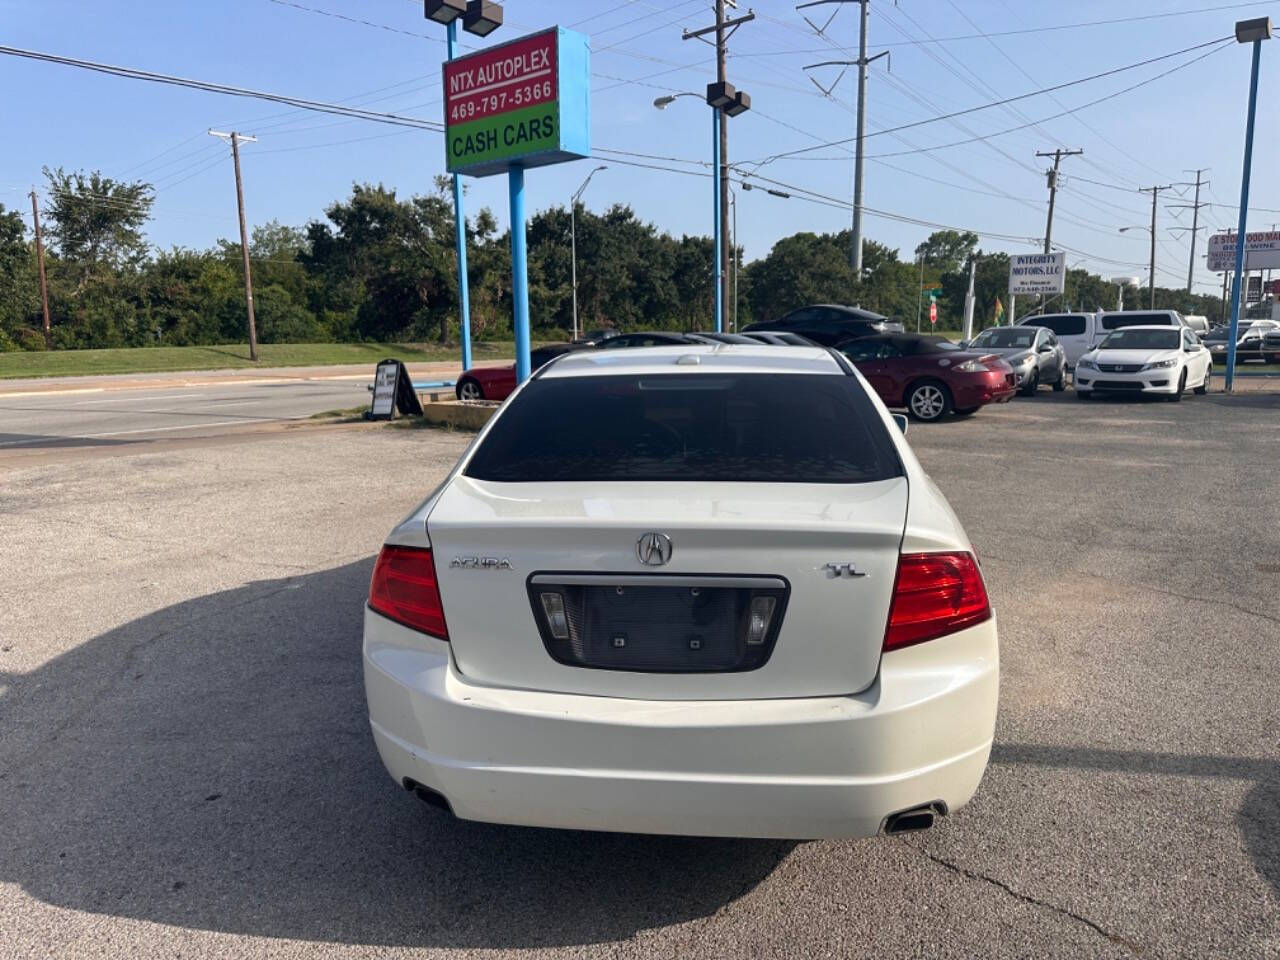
<point>725,102</point>
<point>235,139</point>
<point>44,284</point>
<point>1195,222</point>
<point>1155,194</point>
<point>863,61</point>
<point>1053,187</point>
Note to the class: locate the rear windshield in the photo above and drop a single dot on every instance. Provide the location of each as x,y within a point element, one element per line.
<point>1062,326</point>
<point>1114,321</point>
<point>1005,337</point>
<point>1142,340</point>
<point>772,428</point>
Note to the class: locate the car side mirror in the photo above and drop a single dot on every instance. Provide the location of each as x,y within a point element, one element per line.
<point>1046,348</point>
<point>963,344</point>
<point>901,421</point>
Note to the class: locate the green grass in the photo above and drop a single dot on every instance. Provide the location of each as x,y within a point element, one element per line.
<point>72,363</point>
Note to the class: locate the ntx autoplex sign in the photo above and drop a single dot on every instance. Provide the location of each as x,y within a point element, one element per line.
<point>525,103</point>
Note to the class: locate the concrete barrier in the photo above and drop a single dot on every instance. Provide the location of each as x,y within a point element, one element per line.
<point>453,413</point>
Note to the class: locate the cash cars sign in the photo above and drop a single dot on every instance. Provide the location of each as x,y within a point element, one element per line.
<point>1031,273</point>
<point>525,103</point>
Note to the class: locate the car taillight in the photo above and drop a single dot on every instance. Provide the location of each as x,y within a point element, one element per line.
<point>935,594</point>
<point>404,588</point>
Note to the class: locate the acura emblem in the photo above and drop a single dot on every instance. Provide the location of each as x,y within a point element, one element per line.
<point>654,549</point>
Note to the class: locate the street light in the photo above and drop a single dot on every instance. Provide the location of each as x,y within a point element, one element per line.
<point>662,103</point>
<point>573,241</point>
<point>480,19</point>
<point>722,98</point>
<point>1153,257</point>
<point>445,11</point>
<point>1247,31</point>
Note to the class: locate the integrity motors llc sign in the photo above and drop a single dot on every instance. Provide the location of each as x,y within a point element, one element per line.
<point>525,103</point>
<point>1037,273</point>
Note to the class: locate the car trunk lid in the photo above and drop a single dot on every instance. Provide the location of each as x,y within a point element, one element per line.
<point>825,553</point>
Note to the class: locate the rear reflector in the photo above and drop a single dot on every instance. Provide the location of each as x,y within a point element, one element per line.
<point>404,588</point>
<point>935,594</point>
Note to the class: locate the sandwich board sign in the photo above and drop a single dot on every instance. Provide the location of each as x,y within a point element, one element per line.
<point>525,103</point>
<point>392,389</point>
<point>1037,273</point>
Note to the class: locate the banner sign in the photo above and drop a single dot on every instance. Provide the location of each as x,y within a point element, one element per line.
<point>1037,273</point>
<point>1261,251</point>
<point>525,103</point>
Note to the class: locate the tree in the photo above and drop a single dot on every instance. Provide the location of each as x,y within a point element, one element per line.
<point>947,251</point>
<point>19,295</point>
<point>96,222</point>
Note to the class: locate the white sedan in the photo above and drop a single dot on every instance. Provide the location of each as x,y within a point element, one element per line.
<point>1165,361</point>
<point>701,590</point>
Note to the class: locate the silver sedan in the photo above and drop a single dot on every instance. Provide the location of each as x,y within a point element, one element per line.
<point>1034,353</point>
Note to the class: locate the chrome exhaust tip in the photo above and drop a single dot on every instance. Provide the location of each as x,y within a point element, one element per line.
<point>916,818</point>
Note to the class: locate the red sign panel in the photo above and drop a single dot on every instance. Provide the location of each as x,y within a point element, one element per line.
<point>933,312</point>
<point>510,77</point>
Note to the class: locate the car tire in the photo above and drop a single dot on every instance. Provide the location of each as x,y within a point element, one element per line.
<point>1061,383</point>
<point>1182,385</point>
<point>469,389</point>
<point>928,400</point>
<point>1201,390</point>
<point>1032,384</point>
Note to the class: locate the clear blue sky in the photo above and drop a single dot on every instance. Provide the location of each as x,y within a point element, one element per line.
<point>58,116</point>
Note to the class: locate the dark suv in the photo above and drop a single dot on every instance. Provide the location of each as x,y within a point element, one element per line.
<point>830,323</point>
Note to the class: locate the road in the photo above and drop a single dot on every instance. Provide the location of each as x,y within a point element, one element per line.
<point>118,411</point>
<point>186,767</point>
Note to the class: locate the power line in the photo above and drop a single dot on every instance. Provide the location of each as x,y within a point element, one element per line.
<point>1092,103</point>
<point>1024,31</point>
<point>133,73</point>
<point>1217,44</point>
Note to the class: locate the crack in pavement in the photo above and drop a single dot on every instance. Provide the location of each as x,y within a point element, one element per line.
<point>1210,601</point>
<point>965,872</point>
<point>126,665</point>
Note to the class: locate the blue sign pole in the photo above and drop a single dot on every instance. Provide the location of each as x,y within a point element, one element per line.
<point>1241,237</point>
<point>460,229</point>
<point>715,188</point>
<point>519,273</point>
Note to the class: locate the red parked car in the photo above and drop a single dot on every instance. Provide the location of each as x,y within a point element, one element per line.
<point>930,376</point>
<point>497,383</point>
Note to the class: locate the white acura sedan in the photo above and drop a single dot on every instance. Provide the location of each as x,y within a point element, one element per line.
<point>1157,360</point>
<point>698,590</point>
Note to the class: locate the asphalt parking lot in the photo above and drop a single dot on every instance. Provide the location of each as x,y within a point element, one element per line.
<point>186,768</point>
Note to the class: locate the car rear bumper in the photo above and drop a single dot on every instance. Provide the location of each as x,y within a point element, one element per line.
<point>794,768</point>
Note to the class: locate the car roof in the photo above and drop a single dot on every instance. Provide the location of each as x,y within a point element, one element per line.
<point>695,358</point>
<point>1163,327</point>
<point>860,313</point>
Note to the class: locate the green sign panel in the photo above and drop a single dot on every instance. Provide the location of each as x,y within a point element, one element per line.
<point>525,103</point>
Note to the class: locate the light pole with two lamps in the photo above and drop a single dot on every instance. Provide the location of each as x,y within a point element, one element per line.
<point>481,18</point>
<point>573,242</point>
<point>720,97</point>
